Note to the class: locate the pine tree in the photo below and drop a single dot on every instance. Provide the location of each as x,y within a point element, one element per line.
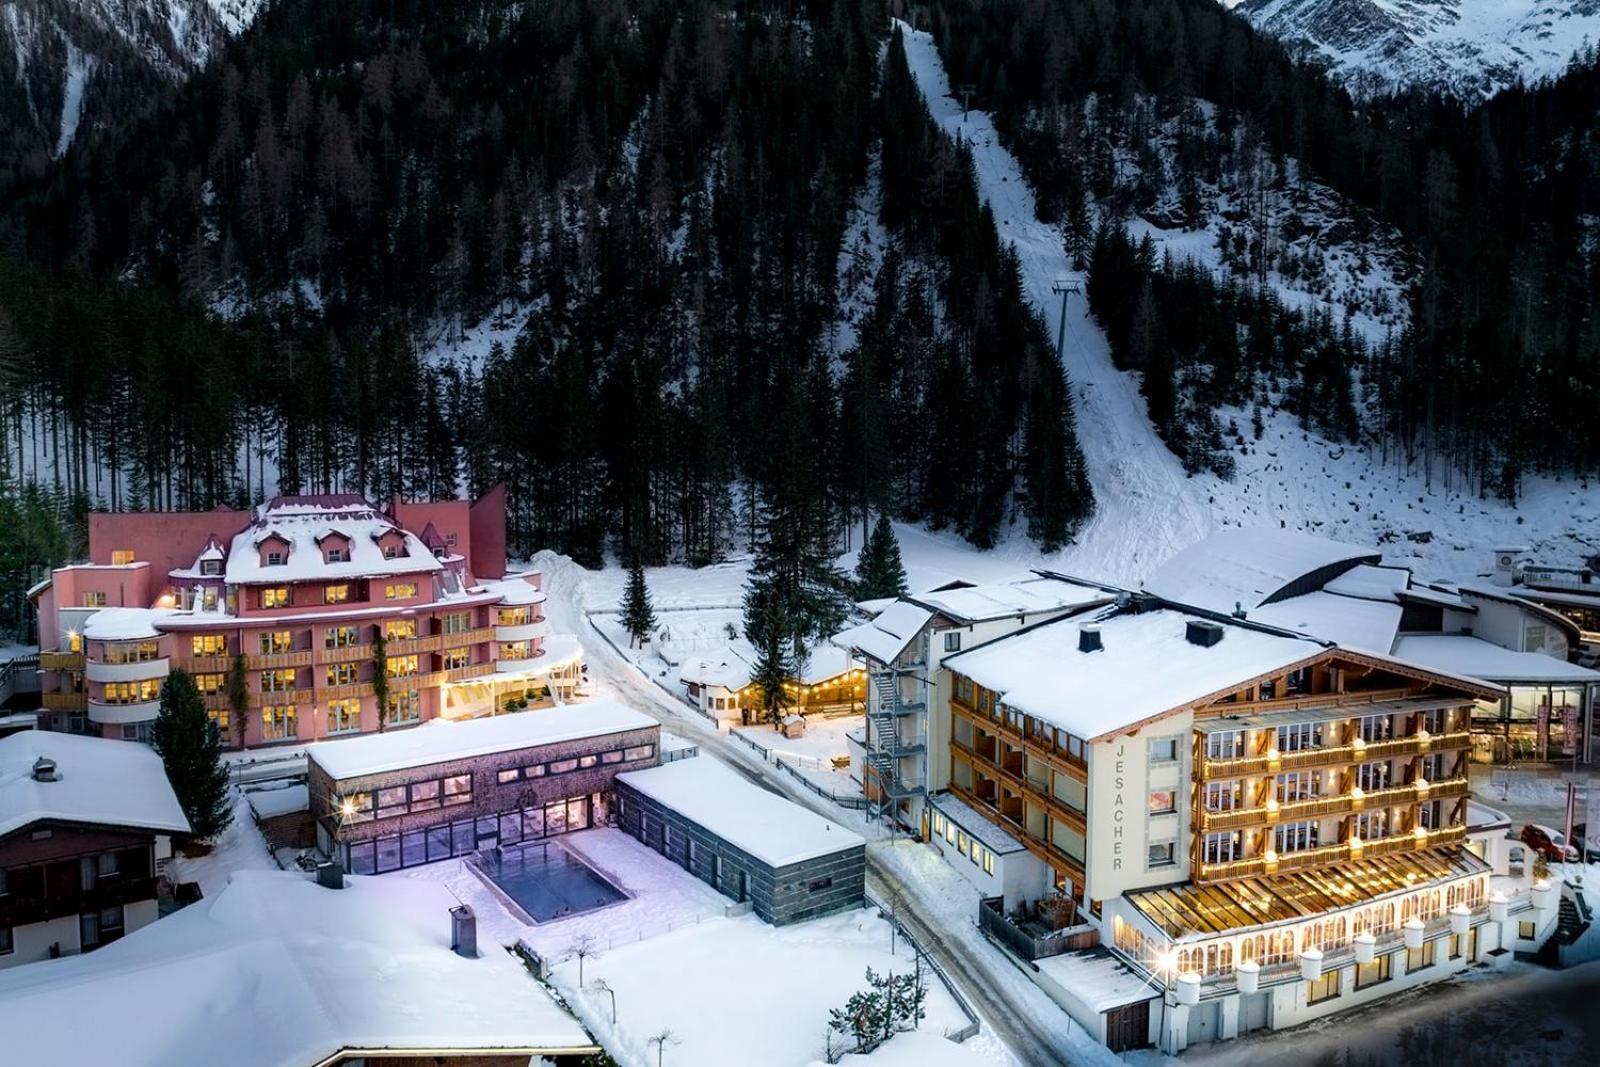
<point>190,746</point>
<point>879,571</point>
<point>767,627</point>
<point>638,617</point>
<point>239,695</point>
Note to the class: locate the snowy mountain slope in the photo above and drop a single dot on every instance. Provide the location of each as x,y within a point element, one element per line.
<point>1469,47</point>
<point>1146,507</point>
<point>67,61</point>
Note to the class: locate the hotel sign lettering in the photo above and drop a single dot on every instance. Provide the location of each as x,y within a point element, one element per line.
<point>1119,813</point>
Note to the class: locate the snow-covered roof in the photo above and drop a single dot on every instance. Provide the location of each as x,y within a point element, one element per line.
<point>730,672</point>
<point>1146,667</point>
<point>824,662</point>
<point>124,624</point>
<point>284,800</point>
<point>1443,598</point>
<point>1477,658</point>
<point>99,781</point>
<point>1098,978</point>
<point>1552,596</point>
<point>987,832</point>
<point>1346,620</point>
<point>774,830</point>
<point>1251,567</point>
<point>888,634</point>
<point>1370,582</point>
<point>301,525</point>
<point>442,740</point>
<point>515,591</point>
<point>276,971</point>
<point>1029,596</point>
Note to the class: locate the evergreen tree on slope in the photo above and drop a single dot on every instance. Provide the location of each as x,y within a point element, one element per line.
<point>879,571</point>
<point>190,746</point>
<point>638,616</point>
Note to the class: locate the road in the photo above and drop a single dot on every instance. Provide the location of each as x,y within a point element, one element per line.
<point>977,975</point>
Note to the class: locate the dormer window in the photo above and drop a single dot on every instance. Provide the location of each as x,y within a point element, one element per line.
<point>211,567</point>
<point>275,558</point>
<point>393,551</point>
<point>338,554</point>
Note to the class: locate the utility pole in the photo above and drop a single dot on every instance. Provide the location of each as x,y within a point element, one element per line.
<point>1063,287</point>
<point>966,92</point>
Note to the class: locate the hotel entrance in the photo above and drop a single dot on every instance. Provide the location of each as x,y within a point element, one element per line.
<point>1535,724</point>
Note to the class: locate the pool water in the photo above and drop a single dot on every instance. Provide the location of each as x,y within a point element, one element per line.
<point>547,881</point>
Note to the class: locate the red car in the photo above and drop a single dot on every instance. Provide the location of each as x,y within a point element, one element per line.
<point>1541,840</point>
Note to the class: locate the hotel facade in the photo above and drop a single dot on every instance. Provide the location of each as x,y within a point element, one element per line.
<point>301,612</point>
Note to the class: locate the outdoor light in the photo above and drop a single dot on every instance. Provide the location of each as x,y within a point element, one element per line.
<point>1423,785</point>
<point>347,807</point>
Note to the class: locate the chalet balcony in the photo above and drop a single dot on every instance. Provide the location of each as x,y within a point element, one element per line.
<point>344,654</point>
<point>1342,804</point>
<point>20,911</point>
<point>272,661</point>
<point>61,661</point>
<point>64,701</point>
<point>1251,766</point>
<point>1324,855</point>
<point>204,664</point>
<point>410,646</point>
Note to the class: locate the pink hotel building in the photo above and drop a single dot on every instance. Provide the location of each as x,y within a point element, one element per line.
<point>300,586</point>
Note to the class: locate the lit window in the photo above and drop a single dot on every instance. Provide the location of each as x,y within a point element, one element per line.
<point>277,681</point>
<point>1323,988</point>
<point>1221,796</point>
<point>1420,958</point>
<point>1296,837</point>
<point>401,666</point>
<point>344,716</point>
<point>563,766</point>
<point>988,863</point>
<point>458,790</point>
<point>121,557</point>
<point>456,658</point>
<point>510,774</point>
<point>278,722</point>
<point>586,762</point>
<point>405,707</point>
<point>1222,847</point>
<point>94,600</point>
<point>1163,802</point>
<point>1369,974</point>
<point>342,636</point>
<point>208,645</point>
<point>335,594</point>
<point>343,674</point>
<point>400,629</point>
<point>276,596</point>
<point>400,591</point>
<point>639,752</point>
<point>210,684</point>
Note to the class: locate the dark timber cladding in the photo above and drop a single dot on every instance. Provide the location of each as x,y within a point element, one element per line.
<point>751,845</point>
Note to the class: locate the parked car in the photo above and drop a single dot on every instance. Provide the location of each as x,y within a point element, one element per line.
<point>1550,844</point>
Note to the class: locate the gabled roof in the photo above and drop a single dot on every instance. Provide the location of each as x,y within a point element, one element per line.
<point>302,526</point>
<point>430,536</point>
<point>1350,621</point>
<point>276,971</point>
<point>1045,593</point>
<point>1477,658</point>
<point>99,782</point>
<point>887,635</point>
<point>1251,567</point>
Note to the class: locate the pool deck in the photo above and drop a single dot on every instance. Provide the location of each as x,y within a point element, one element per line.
<point>567,857</point>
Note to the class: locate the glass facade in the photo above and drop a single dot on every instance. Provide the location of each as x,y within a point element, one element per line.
<point>1535,723</point>
<point>465,836</point>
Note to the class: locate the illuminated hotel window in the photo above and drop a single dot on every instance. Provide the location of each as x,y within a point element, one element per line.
<point>210,684</point>
<point>342,636</point>
<point>1419,958</point>
<point>400,629</point>
<point>400,591</point>
<point>94,600</point>
<point>344,716</point>
<point>121,557</point>
<point>208,645</point>
<point>276,642</point>
<point>277,722</point>
<point>405,707</point>
<point>343,674</point>
<point>1324,988</point>
<point>401,666</point>
<point>1163,802</point>
<point>335,594</point>
<point>1225,744</point>
<point>276,596</point>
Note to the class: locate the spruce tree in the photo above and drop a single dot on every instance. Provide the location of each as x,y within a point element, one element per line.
<point>879,571</point>
<point>380,677</point>
<point>190,746</point>
<point>768,629</point>
<point>638,617</point>
<point>239,695</point>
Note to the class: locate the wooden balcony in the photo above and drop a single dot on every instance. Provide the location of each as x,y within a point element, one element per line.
<point>61,661</point>
<point>482,635</point>
<point>273,661</point>
<point>1326,855</point>
<point>1027,789</point>
<point>1251,766</point>
<point>64,701</point>
<point>465,674</point>
<point>411,646</point>
<point>344,654</point>
<point>1320,807</point>
<point>204,664</point>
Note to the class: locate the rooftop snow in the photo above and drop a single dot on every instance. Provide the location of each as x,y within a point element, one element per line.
<point>1146,667</point>
<point>824,662</point>
<point>300,525</point>
<point>961,813</point>
<point>104,782</point>
<point>979,602</point>
<point>774,830</point>
<point>1477,658</point>
<point>286,800</point>
<point>730,672</point>
<point>1346,620</point>
<point>1371,583</point>
<point>124,624</point>
<point>887,635</point>
<point>515,591</point>
<point>1098,978</point>
<point>276,971</point>
<point>1249,567</point>
<point>442,740</point>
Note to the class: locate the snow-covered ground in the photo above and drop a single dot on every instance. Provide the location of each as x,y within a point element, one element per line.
<point>240,848</point>
<point>1147,508</point>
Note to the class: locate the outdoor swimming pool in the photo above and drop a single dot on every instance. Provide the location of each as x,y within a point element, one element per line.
<point>547,881</point>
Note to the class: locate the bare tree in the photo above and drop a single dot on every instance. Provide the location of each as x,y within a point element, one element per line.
<point>581,949</point>
<point>661,1041</point>
<point>600,985</point>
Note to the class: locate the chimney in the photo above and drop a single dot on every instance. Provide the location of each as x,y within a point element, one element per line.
<point>330,875</point>
<point>1203,633</point>
<point>44,770</point>
<point>1089,637</point>
<point>464,932</point>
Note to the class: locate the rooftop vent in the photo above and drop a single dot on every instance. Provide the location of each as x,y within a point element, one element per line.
<point>1202,633</point>
<point>44,770</point>
<point>1089,637</point>
<point>464,932</point>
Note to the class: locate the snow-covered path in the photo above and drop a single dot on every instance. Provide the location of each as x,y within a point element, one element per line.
<point>1134,475</point>
<point>1147,507</point>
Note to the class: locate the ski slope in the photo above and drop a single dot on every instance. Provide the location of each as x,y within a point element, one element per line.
<point>1147,508</point>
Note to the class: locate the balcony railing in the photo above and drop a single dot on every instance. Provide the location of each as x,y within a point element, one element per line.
<point>1245,766</point>
<point>1342,804</point>
<point>271,661</point>
<point>64,701</point>
<point>204,664</point>
<point>21,911</point>
<point>1257,866</point>
<point>61,661</point>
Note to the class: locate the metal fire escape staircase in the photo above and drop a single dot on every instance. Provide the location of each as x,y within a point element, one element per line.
<point>887,745</point>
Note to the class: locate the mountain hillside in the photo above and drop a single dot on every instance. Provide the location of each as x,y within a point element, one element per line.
<point>1471,48</point>
<point>67,66</point>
